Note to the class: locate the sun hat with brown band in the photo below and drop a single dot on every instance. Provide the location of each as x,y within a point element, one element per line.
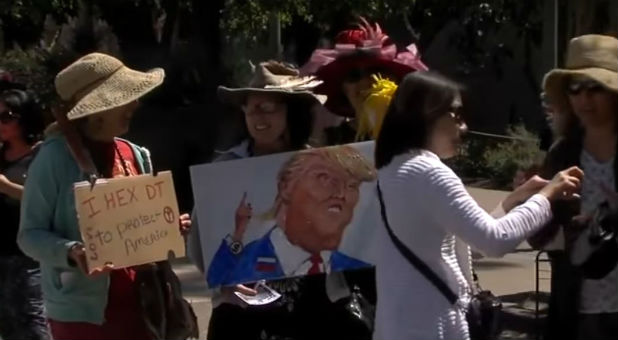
<point>274,77</point>
<point>98,82</point>
<point>592,56</point>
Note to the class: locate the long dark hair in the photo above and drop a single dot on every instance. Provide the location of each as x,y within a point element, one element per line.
<point>31,120</point>
<point>420,100</point>
<point>300,122</point>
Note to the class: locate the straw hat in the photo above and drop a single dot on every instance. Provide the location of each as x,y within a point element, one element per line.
<point>274,77</point>
<point>98,82</point>
<point>593,56</point>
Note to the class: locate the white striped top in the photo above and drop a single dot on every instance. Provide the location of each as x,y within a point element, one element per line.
<point>431,212</point>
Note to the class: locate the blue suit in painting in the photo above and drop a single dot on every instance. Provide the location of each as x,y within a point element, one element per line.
<point>259,261</point>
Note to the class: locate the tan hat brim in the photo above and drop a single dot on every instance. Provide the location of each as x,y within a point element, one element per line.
<point>238,96</point>
<point>554,83</point>
<point>121,88</point>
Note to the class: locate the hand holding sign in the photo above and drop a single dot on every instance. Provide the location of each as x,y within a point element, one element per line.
<point>78,255</point>
<point>185,224</point>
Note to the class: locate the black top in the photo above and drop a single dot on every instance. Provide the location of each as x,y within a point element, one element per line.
<point>304,312</point>
<point>9,208</point>
<point>343,133</point>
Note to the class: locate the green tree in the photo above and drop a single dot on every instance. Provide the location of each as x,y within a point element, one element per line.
<point>22,21</point>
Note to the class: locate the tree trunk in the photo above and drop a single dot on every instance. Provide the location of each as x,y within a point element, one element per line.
<point>592,17</point>
<point>207,16</point>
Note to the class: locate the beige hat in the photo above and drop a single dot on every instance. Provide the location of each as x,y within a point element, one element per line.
<point>98,82</point>
<point>593,56</point>
<point>274,77</point>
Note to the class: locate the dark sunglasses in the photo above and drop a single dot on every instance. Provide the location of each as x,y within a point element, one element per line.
<point>263,107</point>
<point>455,113</point>
<point>8,116</point>
<point>577,86</point>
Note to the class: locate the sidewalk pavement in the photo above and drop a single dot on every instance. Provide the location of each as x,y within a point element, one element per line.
<point>194,290</point>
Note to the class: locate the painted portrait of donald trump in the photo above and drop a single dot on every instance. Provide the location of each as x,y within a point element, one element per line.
<point>317,192</point>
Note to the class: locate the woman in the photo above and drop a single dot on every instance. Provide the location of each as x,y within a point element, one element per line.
<point>348,71</point>
<point>278,118</point>
<point>103,303</point>
<point>430,212</point>
<point>585,94</point>
<point>21,128</point>
<point>275,120</point>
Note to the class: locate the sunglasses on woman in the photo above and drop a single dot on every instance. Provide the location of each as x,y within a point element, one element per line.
<point>357,74</point>
<point>8,116</point>
<point>266,107</point>
<point>577,86</point>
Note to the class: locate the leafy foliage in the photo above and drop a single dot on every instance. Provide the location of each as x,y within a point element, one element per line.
<point>250,18</point>
<point>30,68</point>
<point>490,158</point>
<point>478,40</point>
<point>23,20</point>
<point>35,67</point>
<point>521,153</point>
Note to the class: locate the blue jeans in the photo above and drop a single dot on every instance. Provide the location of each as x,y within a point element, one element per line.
<point>22,315</point>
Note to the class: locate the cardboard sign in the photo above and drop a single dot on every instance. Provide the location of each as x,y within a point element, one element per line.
<point>129,221</point>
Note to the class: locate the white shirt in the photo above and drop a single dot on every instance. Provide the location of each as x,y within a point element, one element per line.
<point>431,212</point>
<point>597,296</point>
<point>293,259</point>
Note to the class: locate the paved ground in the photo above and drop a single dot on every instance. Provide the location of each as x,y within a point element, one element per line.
<point>194,289</point>
<point>511,277</point>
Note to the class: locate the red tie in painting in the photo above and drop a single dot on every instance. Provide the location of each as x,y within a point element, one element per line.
<point>316,264</point>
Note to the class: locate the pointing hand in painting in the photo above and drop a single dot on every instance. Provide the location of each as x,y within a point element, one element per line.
<point>185,224</point>
<point>243,216</point>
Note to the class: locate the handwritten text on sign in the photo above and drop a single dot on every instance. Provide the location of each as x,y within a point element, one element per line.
<point>129,220</point>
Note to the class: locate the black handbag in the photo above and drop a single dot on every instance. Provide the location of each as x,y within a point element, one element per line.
<point>483,313</point>
<point>361,308</point>
<point>166,313</point>
<point>603,253</point>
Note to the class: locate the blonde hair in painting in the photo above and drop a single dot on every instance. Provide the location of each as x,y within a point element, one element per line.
<point>344,156</point>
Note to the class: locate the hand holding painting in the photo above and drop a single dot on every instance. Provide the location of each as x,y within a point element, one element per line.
<point>242,218</point>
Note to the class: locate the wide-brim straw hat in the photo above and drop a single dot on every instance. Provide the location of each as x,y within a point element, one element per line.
<point>276,78</point>
<point>592,56</point>
<point>98,82</point>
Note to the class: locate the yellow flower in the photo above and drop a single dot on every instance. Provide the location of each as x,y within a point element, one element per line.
<point>375,106</point>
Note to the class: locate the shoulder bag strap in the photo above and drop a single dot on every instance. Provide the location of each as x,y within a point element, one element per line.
<point>415,260</point>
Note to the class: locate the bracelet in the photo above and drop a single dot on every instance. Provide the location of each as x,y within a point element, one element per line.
<point>236,247</point>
